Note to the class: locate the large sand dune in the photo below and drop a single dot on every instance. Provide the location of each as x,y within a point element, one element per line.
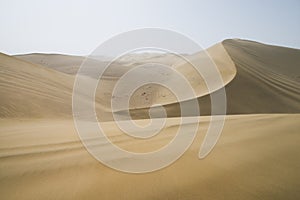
<point>257,156</point>
<point>261,84</point>
<point>267,80</point>
<point>30,91</point>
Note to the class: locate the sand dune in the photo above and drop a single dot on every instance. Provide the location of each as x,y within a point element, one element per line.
<point>70,64</point>
<point>261,84</point>
<point>267,80</point>
<point>257,156</point>
<point>29,90</point>
<point>154,94</point>
<point>63,63</point>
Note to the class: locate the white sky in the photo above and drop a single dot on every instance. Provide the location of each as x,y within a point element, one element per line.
<point>78,27</point>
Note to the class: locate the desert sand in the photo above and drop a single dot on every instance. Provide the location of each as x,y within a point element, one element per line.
<point>256,157</point>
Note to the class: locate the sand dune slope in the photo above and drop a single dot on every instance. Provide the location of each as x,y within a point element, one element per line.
<point>29,90</point>
<point>267,79</point>
<point>257,157</point>
<point>63,63</point>
<point>70,64</point>
<point>260,79</point>
<point>215,59</point>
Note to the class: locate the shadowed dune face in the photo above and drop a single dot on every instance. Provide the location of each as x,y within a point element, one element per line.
<point>259,79</point>
<point>145,96</point>
<point>257,156</point>
<point>267,79</point>
<point>261,84</point>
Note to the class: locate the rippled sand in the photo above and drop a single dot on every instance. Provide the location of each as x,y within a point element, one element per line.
<point>256,157</point>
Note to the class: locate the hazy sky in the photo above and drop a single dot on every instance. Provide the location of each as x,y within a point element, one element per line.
<point>77,27</point>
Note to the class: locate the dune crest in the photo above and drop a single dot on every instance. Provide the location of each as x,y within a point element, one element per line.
<point>266,80</point>
<point>257,156</point>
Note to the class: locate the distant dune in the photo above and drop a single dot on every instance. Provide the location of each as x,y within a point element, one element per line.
<point>32,91</point>
<point>267,78</point>
<point>257,156</point>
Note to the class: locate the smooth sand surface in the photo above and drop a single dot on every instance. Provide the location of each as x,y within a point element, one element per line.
<point>140,101</point>
<point>29,90</point>
<point>267,79</point>
<point>257,156</point>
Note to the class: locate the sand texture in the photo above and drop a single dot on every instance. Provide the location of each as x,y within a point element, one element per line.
<point>256,157</point>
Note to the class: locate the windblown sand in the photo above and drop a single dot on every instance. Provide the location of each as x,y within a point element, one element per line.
<point>257,156</point>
